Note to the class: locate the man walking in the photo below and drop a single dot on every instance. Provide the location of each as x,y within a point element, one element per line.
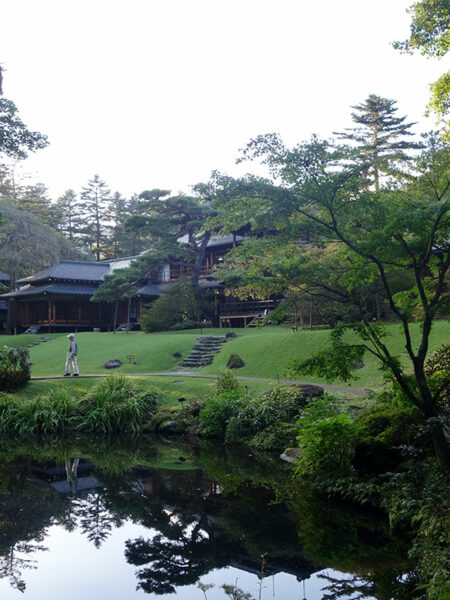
<point>72,357</point>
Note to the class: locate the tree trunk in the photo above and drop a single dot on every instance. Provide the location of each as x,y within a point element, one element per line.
<point>128,314</point>
<point>441,446</point>
<point>116,309</point>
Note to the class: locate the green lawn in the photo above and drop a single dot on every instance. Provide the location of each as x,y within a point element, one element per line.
<point>171,387</point>
<point>265,351</point>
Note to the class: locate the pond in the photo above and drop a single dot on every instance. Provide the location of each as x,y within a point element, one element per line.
<point>148,517</point>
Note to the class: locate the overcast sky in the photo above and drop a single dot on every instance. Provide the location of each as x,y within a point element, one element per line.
<point>158,93</point>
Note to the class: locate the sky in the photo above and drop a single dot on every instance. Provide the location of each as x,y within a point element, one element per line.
<point>158,93</point>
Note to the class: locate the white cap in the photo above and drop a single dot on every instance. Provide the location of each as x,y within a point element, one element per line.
<point>71,335</point>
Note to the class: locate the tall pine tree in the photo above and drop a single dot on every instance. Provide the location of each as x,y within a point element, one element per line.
<point>93,211</point>
<point>379,137</point>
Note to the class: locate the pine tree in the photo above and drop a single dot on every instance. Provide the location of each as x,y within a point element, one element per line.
<point>379,137</point>
<point>93,209</point>
<point>66,208</point>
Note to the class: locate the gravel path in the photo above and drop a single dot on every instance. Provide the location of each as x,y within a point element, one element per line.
<point>334,388</point>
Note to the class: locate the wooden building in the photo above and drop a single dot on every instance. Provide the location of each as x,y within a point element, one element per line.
<point>58,298</point>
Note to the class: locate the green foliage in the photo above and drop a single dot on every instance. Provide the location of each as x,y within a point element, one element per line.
<point>117,404</point>
<point>266,422</point>
<point>218,411</point>
<point>430,35</point>
<point>326,439</point>
<point>15,138</point>
<point>437,370</point>
<point>14,368</point>
<point>389,422</point>
<point>181,302</point>
<point>418,498</point>
<point>227,382</point>
<point>53,412</point>
<point>336,362</point>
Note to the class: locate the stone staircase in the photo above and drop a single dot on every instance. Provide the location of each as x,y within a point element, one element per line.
<point>203,352</point>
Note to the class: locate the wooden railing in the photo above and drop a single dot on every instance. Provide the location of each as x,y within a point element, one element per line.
<point>249,307</point>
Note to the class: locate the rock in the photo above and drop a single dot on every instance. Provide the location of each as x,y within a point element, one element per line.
<point>290,455</point>
<point>231,334</point>
<point>358,365</point>
<point>113,363</point>
<point>176,354</point>
<point>309,390</point>
<point>170,428</point>
<point>235,362</point>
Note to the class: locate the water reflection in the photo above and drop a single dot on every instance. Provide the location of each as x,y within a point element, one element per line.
<point>184,510</point>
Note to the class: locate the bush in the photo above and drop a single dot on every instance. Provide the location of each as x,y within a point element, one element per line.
<point>390,423</point>
<point>14,368</point>
<point>178,305</point>
<point>227,382</point>
<point>218,411</point>
<point>327,439</point>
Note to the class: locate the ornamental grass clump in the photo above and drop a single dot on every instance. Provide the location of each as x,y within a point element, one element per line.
<point>118,404</point>
<point>53,412</point>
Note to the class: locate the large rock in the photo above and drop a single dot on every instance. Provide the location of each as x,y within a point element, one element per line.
<point>235,362</point>
<point>113,363</point>
<point>309,390</point>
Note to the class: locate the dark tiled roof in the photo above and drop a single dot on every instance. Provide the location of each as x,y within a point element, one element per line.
<point>70,270</point>
<point>224,240</point>
<point>152,289</point>
<point>4,276</point>
<point>53,288</point>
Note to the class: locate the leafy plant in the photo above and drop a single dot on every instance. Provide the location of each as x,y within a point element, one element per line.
<point>14,368</point>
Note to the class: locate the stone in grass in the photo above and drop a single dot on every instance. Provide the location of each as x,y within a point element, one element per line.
<point>176,354</point>
<point>235,362</point>
<point>309,390</point>
<point>231,334</point>
<point>113,363</point>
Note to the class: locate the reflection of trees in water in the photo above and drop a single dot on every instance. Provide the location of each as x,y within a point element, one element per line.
<point>12,564</point>
<point>94,519</point>
<point>205,518</point>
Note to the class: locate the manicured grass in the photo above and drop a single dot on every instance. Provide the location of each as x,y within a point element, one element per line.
<point>266,352</point>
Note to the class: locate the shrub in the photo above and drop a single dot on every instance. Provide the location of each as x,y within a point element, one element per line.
<point>218,411</point>
<point>14,368</point>
<point>326,439</point>
<point>390,423</point>
<point>227,382</point>
<point>180,303</point>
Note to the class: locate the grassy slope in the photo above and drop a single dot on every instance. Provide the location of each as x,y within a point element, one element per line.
<point>266,351</point>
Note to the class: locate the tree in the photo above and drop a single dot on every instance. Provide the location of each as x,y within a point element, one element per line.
<point>93,209</point>
<point>27,245</point>
<point>116,287</point>
<point>66,207</point>
<point>176,226</point>
<point>430,35</point>
<point>15,138</point>
<point>365,236</point>
<point>379,137</point>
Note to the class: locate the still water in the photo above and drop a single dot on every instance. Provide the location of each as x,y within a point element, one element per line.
<point>152,518</point>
